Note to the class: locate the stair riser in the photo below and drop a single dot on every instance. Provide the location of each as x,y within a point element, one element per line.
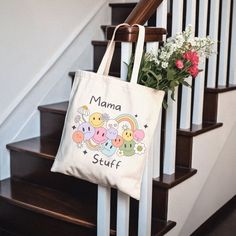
<point>51,124</point>
<point>25,222</point>
<point>36,170</point>
<point>99,51</point>
<point>120,13</point>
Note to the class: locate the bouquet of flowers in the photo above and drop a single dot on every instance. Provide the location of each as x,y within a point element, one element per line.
<point>175,61</point>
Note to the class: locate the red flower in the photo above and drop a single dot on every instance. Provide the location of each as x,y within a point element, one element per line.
<point>193,70</point>
<point>179,64</point>
<point>192,56</point>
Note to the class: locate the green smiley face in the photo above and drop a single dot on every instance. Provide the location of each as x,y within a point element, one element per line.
<point>128,148</point>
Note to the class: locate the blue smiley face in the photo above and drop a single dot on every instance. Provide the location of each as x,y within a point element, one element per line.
<point>108,149</point>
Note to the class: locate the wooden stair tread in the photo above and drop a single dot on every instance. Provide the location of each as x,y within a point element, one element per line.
<point>76,210</point>
<point>46,148</point>
<point>180,175</point>
<point>199,129</point>
<point>221,89</point>
<point>49,202</point>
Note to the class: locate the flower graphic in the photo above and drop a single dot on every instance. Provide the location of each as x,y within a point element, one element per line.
<point>120,153</point>
<point>139,148</point>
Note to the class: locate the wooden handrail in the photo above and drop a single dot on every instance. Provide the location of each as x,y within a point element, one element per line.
<point>143,11</point>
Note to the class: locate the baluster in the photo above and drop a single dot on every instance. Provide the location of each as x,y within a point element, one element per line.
<point>103,208</point>
<point>213,33</point>
<point>161,21</point>
<point>200,81</point>
<point>224,42</point>
<point>185,114</point>
<point>171,113</point>
<point>123,200</point>
<point>145,203</point>
<point>232,74</point>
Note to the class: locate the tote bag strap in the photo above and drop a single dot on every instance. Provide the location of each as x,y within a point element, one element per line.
<point>107,58</point>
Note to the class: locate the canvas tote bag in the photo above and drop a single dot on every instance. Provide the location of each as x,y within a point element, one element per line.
<point>109,126</point>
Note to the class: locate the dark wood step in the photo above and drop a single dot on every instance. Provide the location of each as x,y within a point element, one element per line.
<point>57,212</point>
<point>31,161</point>
<point>42,208</point>
<point>99,51</point>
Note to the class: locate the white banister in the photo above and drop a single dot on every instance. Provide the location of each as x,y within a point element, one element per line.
<point>213,33</point>
<point>200,81</point>
<point>185,114</point>
<point>232,72</point>
<point>123,200</point>
<point>224,42</point>
<point>171,113</point>
<point>103,211</point>
<point>145,203</point>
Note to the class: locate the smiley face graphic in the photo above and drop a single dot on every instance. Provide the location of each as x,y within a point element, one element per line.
<point>128,148</point>
<point>118,141</point>
<point>127,135</point>
<point>96,120</point>
<point>87,130</point>
<point>108,149</point>
<point>112,133</point>
<point>78,136</point>
<point>99,136</point>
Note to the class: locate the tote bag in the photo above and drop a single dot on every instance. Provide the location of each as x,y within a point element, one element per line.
<point>109,126</point>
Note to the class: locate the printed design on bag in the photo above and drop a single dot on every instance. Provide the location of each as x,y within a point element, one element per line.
<point>98,132</point>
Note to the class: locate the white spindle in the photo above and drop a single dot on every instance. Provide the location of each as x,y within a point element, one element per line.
<point>213,33</point>
<point>185,114</point>
<point>123,200</point>
<point>232,73</point>
<point>145,203</point>
<point>103,211</point>
<point>153,47</point>
<point>224,42</point>
<point>171,113</point>
<point>161,15</point>
<point>200,80</point>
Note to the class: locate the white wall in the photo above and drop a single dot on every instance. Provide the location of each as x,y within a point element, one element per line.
<point>40,42</point>
<point>32,34</point>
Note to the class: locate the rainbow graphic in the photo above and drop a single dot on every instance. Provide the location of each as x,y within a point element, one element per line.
<point>128,118</point>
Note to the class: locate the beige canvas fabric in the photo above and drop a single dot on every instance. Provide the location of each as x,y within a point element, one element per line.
<point>109,127</point>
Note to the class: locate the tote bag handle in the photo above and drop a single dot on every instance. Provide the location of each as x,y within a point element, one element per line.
<point>107,58</point>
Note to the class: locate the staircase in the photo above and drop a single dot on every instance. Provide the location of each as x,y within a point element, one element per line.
<point>36,202</point>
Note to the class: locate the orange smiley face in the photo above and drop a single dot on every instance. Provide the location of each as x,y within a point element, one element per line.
<point>78,136</point>
<point>118,141</point>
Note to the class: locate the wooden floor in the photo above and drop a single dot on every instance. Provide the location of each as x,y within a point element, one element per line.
<point>222,223</point>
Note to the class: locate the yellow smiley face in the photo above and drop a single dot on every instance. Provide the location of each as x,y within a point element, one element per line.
<point>96,120</point>
<point>127,135</point>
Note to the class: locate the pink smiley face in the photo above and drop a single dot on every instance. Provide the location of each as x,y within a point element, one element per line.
<point>100,135</point>
<point>118,141</point>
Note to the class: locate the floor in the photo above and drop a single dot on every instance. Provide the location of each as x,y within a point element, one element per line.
<point>223,223</point>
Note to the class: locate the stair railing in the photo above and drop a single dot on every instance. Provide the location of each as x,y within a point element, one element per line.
<point>216,18</point>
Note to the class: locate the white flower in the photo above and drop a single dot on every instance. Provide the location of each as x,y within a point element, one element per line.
<point>84,110</point>
<point>164,65</point>
<point>139,148</point>
<point>120,153</point>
